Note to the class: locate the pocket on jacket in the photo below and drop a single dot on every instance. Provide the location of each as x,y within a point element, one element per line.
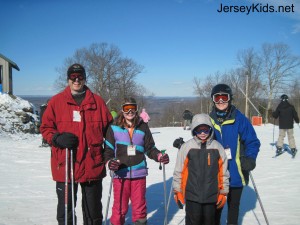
<point>95,152</point>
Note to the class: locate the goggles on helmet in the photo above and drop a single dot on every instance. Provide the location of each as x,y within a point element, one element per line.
<point>130,107</point>
<point>202,129</point>
<point>221,96</point>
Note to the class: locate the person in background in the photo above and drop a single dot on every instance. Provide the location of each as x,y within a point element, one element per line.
<point>77,119</point>
<point>144,115</point>
<point>42,110</point>
<point>200,175</point>
<point>113,113</point>
<point>287,115</point>
<point>127,142</point>
<point>187,116</point>
<point>238,137</point>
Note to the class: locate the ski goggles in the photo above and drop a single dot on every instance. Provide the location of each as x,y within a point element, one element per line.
<point>221,96</point>
<point>132,107</point>
<point>75,76</point>
<point>202,129</point>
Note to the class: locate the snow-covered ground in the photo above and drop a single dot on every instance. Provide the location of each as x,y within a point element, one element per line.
<point>27,192</point>
<point>28,197</point>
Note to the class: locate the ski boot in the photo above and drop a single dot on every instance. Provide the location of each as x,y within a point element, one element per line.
<point>141,222</point>
<point>294,152</point>
<point>279,150</point>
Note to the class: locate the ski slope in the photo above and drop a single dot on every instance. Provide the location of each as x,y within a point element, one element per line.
<point>27,191</point>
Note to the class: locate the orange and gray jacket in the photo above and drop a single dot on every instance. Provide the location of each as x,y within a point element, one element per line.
<point>201,174</point>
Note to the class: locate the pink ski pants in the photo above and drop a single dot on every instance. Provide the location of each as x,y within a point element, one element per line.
<point>125,190</point>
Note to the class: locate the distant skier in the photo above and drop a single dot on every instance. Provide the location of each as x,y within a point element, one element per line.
<point>42,110</point>
<point>187,116</point>
<point>144,115</point>
<point>287,115</point>
<point>114,113</point>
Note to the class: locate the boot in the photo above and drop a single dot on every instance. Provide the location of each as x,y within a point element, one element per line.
<point>141,222</point>
<point>294,151</point>
<point>279,150</point>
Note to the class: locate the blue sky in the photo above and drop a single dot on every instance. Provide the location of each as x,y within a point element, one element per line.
<point>175,40</point>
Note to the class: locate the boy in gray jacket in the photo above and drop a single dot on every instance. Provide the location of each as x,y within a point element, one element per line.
<point>200,176</point>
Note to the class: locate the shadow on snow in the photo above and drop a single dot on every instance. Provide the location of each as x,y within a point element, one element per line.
<point>156,211</point>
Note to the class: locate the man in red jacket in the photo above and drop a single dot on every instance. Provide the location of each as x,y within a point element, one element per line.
<point>77,119</point>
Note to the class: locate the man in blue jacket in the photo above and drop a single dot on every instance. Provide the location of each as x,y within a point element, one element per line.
<point>237,135</point>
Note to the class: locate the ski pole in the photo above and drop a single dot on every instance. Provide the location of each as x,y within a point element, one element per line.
<point>165,193</point>
<point>109,194</point>
<point>170,194</point>
<point>169,201</point>
<point>259,200</point>
<point>66,188</point>
<point>72,185</point>
<point>178,146</point>
<point>165,188</point>
<point>273,131</point>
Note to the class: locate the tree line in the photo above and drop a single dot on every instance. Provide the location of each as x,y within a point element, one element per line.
<point>260,76</point>
<point>109,74</point>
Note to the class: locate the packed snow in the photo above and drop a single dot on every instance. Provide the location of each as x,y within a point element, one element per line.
<point>27,191</point>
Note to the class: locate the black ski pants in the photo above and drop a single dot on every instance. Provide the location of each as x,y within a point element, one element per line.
<point>233,203</point>
<point>199,214</point>
<point>91,202</point>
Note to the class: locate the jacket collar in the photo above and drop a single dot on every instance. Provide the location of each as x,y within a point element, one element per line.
<point>87,103</point>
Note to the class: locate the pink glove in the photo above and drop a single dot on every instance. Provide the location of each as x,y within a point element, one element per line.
<point>163,158</point>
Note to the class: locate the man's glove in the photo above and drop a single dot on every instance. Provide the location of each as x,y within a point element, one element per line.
<point>179,199</point>
<point>221,201</point>
<point>114,164</point>
<point>248,163</point>
<point>65,140</point>
<point>163,158</point>
<point>178,142</point>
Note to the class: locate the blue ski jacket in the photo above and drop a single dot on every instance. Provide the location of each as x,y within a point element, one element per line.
<point>237,133</point>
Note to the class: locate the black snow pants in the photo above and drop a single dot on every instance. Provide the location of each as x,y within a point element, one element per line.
<point>91,202</point>
<point>199,214</point>
<point>233,203</point>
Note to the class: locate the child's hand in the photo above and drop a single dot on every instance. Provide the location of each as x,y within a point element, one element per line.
<point>221,201</point>
<point>163,158</point>
<point>179,199</point>
<point>114,164</point>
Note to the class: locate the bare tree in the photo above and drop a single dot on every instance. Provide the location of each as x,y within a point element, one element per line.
<point>295,94</point>
<point>245,81</point>
<point>203,87</point>
<point>278,65</point>
<point>108,73</point>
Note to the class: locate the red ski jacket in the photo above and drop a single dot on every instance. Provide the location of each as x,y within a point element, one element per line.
<point>88,122</point>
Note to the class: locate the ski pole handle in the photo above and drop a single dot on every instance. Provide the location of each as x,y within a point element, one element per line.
<point>162,153</point>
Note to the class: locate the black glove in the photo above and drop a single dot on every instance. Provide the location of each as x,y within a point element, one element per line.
<point>178,142</point>
<point>65,140</point>
<point>246,176</point>
<point>248,163</point>
<point>113,164</point>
